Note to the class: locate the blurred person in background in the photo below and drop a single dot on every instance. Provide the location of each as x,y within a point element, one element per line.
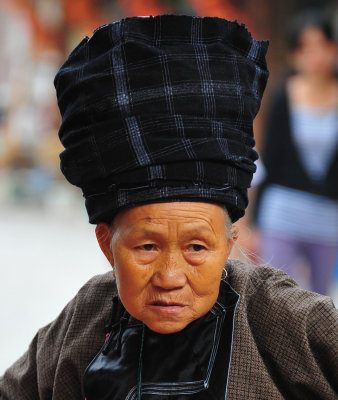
<point>297,206</point>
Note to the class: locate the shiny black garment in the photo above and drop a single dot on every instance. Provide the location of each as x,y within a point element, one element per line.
<point>192,364</point>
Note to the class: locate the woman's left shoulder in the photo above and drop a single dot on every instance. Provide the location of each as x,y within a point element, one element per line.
<point>294,330</point>
<point>273,291</point>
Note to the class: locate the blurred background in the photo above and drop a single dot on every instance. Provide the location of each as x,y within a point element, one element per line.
<point>47,248</point>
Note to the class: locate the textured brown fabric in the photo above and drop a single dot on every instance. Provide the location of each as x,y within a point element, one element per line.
<point>285,342</point>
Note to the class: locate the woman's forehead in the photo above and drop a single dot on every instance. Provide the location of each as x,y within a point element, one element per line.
<point>189,213</point>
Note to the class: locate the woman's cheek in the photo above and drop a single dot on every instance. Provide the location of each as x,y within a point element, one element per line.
<point>142,257</point>
<point>196,259</point>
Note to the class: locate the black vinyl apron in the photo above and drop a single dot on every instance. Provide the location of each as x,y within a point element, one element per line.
<point>193,364</point>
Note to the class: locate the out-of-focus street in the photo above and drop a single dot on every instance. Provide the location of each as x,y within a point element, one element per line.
<point>45,258</point>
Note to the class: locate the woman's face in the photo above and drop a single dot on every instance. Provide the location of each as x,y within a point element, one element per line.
<point>315,53</point>
<point>168,260</point>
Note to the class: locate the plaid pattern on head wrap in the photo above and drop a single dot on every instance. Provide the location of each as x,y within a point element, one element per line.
<point>161,109</point>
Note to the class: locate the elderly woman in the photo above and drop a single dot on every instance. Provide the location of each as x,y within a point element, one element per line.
<point>157,128</point>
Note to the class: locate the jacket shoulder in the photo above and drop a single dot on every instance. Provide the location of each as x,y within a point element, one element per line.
<point>294,330</point>
<point>98,287</point>
<point>272,287</point>
<point>60,351</point>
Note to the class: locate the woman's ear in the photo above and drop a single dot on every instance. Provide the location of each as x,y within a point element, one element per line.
<point>104,236</point>
<point>234,233</point>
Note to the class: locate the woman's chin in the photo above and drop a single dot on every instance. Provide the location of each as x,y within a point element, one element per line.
<point>167,326</point>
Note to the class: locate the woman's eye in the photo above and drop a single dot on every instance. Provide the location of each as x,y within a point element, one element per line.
<point>147,247</point>
<point>197,247</point>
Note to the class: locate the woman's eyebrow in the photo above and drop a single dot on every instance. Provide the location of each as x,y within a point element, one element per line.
<point>144,232</point>
<point>185,229</point>
<point>200,230</point>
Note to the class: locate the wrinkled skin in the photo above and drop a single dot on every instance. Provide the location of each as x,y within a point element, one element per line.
<point>168,260</point>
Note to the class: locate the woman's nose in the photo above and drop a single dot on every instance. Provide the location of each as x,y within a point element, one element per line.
<point>169,273</point>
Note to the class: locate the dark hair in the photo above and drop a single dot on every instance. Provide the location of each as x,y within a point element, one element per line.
<point>307,19</point>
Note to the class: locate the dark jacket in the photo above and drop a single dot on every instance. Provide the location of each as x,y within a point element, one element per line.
<point>280,156</point>
<point>284,344</point>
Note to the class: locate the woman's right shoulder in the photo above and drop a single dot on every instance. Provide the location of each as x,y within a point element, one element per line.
<point>99,282</point>
<point>98,290</point>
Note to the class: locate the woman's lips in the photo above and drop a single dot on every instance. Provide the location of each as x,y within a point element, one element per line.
<point>166,306</point>
<point>165,303</point>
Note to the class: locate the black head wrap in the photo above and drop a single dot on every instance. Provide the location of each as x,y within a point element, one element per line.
<point>161,109</point>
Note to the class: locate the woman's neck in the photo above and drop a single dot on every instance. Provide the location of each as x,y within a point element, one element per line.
<point>313,90</point>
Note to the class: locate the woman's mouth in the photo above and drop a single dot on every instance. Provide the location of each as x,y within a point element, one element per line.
<point>166,303</point>
<point>166,306</point>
